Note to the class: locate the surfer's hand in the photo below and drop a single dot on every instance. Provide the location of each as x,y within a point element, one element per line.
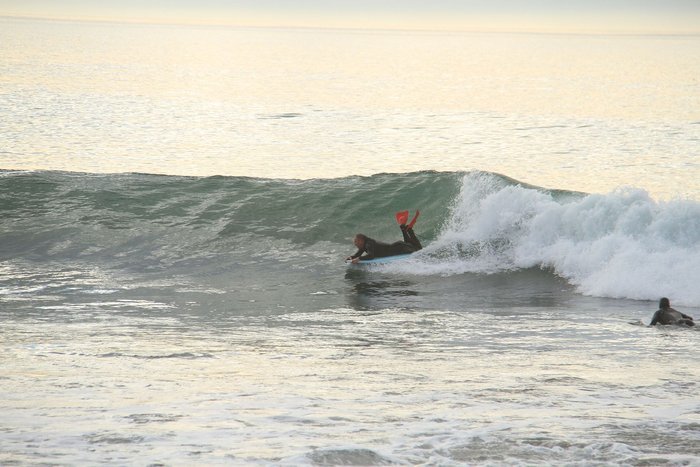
<point>355,260</point>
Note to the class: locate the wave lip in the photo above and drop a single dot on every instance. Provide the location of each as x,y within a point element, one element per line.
<point>619,245</point>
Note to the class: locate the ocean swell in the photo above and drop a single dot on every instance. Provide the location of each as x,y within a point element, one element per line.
<point>622,244</point>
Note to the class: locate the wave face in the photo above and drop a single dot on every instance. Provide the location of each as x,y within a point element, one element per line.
<point>161,221</point>
<point>620,245</point>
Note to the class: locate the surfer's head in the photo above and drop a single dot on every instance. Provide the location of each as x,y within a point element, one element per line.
<point>359,240</point>
<point>664,303</point>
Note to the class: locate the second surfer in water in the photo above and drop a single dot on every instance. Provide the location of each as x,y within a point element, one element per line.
<point>368,248</point>
<point>667,315</point>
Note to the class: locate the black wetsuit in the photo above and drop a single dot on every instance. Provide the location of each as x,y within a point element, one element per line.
<point>375,249</point>
<point>671,316</point>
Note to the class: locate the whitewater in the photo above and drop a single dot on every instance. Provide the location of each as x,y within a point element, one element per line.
<point>176,204</point>
<point>620,245</point>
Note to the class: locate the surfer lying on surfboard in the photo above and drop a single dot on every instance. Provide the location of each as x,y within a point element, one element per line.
<point>368,248</point>
<point>667,315</point>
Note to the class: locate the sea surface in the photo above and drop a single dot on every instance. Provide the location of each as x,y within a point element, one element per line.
<point>176,204</point>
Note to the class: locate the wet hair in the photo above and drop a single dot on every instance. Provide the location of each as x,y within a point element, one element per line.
<point>664,303</point>
<point>362,237</point>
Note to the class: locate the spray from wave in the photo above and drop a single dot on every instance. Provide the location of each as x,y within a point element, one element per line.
<point>620,245</point>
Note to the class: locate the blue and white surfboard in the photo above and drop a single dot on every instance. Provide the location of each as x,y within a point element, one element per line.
<point>383,260</point>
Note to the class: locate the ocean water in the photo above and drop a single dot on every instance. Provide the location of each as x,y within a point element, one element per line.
<point>176,205</point>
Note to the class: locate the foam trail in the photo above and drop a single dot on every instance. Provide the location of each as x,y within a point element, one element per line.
<point>622,245</point>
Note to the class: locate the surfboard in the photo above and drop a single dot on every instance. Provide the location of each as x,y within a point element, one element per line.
<point>383,260</point>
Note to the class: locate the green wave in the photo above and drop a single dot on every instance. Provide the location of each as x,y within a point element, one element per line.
<point>128,213</point>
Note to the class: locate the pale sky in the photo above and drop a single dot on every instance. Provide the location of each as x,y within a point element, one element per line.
<point>623,16</point>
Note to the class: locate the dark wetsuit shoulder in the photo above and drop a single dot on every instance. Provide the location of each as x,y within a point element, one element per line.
<point>670,316</point>
<point>377,249</point>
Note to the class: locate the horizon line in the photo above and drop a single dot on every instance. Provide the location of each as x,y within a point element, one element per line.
<point>427,30</point>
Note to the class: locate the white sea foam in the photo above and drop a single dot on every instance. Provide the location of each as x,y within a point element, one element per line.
<point>622,245</point>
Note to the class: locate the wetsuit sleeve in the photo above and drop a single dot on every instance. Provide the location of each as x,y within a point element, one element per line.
<point>369,249</point>
<point>655,318</point>
<point>687,317</point>
<point>357,254</point>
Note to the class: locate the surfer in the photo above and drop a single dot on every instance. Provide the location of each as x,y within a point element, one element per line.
<point>369,248</point>
<point>667,315</point>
